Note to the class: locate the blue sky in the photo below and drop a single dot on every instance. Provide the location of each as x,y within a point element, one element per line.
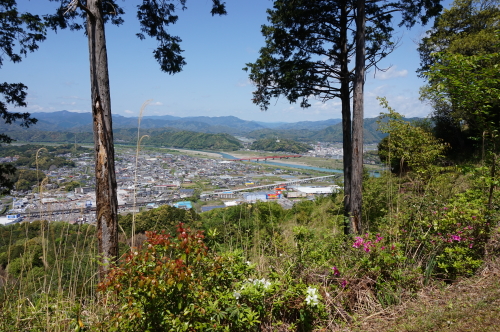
<point>211,84</point>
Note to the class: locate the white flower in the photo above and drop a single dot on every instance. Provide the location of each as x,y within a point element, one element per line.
<point>237,295</point>
<point>262,282</point>
<point>312,297</point>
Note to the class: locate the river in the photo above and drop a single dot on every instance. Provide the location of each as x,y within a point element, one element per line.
<point>228,156</point>
<point>320,169</point>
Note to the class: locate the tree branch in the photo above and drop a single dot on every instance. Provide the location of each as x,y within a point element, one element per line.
<point>77,4</point>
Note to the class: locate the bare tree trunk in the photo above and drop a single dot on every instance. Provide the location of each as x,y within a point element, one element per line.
<point>106,200</point>
<point>358,115</point>
<point>346,116</point>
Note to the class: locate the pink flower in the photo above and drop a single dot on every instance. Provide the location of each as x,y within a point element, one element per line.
<point>336,272</point>
<point>470,246</point>
<point>359,241</point>
<point>344,283</point>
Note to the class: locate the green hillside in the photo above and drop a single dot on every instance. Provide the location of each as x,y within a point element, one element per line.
<point>158,137</point>
<point>195,141</point>
<point>280,145</point>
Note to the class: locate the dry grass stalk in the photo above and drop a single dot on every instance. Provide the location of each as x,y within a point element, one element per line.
<point>139,139</point>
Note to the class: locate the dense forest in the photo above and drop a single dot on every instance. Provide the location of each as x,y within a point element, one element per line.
<point>279,145</point>
<point>194,141</point>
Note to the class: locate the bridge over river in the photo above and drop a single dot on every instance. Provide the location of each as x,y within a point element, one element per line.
<point>268,157</point>
<point>274,185</point>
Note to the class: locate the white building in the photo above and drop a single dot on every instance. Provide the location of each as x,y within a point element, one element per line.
<point>10,219</point>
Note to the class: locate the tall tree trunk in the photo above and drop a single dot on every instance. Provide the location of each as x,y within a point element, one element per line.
<point>106,200</point>
<point>358,115</point>
<point>345,97</point>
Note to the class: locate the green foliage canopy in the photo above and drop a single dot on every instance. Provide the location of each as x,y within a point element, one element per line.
<point>21,33</point>
<point>459,58</point>
<point>472,85</point>
<point>407,147</point>
<point>308,41</point>
<point>163,218</point>
<point>469,27</point>
<point>280,145</point>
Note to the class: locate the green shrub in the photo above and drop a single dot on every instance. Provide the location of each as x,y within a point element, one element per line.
<point>165,217</point>
<point>177,284</point>
<point>447,238</point>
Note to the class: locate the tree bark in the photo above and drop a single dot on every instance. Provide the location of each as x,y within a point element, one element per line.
<point>106,199</point>
<point>345,97</point>
<point>358,115</point>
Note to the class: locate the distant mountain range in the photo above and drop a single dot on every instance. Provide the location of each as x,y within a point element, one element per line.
<point>65,124</point>
<point>82,122</point>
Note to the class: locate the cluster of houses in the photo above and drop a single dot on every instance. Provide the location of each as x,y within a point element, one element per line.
<point>157,178</point>
<point>281,194</point>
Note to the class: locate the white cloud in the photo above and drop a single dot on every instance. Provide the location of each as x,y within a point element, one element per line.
<point>391,73</point>
<point>128,112</point>
<point>73,97</point>
<point>156,103</point>
<point>35,109</point>
<point>331,105</point>
<point>244,83</point>
<point>405,102</point>
<point>78,111</point>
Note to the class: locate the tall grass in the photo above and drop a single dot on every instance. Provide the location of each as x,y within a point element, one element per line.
<point>41,287</point>
<point>139,139</point>
<point>51,271</point>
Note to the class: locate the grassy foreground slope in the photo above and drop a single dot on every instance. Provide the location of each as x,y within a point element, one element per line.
<point>469,305</point>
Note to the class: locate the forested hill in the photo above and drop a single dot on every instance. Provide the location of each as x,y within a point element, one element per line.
<point>166,137</point>
<point>280,145</point>
<point>334,133</point>
<point>82,122</point>
<point>195,141</point>
<point>66,126</point>
<point>331,134</point>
